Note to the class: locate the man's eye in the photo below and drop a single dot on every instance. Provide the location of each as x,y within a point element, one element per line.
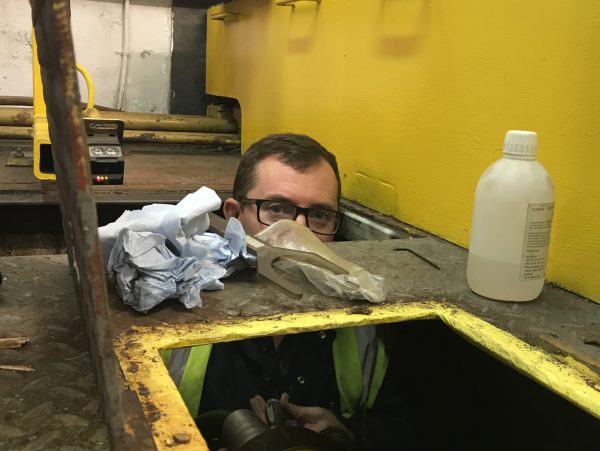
<point>321,215</point>
<point>278,209</point>
<point>275,208</point>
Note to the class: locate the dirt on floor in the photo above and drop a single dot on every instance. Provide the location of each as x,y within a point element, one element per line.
<point>55,406</point>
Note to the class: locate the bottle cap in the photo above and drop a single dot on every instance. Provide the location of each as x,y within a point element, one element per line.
<point>520,143</point>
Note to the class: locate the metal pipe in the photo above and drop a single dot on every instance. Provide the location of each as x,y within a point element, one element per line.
<point>16,117</point>
<point>124,55</point>
<point>170,122</point>
<point>16,101</point>
<point>9,132</point>
<point>134,121</point>
<point>217,139</point>
<point>28,101</point>
<point>144,136</point>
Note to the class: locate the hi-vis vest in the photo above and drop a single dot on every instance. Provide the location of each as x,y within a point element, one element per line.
<point>359,358</point>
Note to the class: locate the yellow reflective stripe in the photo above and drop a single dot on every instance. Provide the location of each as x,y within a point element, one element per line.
<point>379,369</point>
<point>348,371</point>
<point>192,381</point>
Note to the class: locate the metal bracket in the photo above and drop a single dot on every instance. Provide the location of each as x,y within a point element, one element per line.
<point>267,256</point>
<point>105,140</point>
<point>224,16</point>
<point>293,2</point>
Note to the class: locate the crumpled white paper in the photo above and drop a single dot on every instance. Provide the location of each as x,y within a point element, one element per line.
<point>146,272</point>
<point>164,251</point>
<point>178,223</point>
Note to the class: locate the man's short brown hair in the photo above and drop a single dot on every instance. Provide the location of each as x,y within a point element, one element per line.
<point>300,152</point>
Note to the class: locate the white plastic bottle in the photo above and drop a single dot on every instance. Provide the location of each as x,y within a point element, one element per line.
<point>512,217</point>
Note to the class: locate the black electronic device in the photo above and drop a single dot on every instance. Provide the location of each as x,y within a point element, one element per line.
<point>105,138</point>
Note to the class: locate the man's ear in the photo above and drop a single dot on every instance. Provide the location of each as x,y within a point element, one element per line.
<point>231,208</point>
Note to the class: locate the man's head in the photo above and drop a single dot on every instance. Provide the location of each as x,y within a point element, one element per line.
<point>293,169</point>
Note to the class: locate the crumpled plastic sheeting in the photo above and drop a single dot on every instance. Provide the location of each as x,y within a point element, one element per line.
<point>146,272</point>
<point>178,223</point>
<point>357,284</point>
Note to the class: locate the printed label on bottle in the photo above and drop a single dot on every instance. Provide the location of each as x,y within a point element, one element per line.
<point>537,239</point>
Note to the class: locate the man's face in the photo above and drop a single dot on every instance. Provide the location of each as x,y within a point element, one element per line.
<point>314,188</point>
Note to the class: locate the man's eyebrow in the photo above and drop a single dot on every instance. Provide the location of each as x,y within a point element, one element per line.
<point>325,206</point>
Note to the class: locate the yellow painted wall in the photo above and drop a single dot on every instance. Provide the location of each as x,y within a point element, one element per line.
<point>415,96</point>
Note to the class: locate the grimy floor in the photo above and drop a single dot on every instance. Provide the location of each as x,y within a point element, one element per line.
<point>57,406</point>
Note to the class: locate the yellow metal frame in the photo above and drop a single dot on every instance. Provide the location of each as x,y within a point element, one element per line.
<point>41,136</point>
<point>137,352</point>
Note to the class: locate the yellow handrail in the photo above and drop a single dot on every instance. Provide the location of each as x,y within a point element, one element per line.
<point>90,85</point>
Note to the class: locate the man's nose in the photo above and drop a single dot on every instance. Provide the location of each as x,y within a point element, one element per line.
<point>301,219</point>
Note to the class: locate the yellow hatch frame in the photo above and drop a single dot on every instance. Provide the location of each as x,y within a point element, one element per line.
<point>138,348</point>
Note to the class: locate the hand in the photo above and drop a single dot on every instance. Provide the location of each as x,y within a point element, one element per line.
<point>258,406</point>
<point>314,418</point>
<point>317,419</point>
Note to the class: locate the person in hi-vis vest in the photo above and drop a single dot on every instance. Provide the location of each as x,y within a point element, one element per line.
<point>330,380</point>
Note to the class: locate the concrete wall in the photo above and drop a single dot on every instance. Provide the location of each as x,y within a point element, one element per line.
<point>15,49</point>
<point>415,97</point>
<point>97,31</point>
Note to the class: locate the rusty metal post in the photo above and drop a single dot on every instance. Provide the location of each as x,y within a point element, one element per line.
<point>51,20</point>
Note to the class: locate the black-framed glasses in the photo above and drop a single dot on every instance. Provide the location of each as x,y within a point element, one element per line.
<point>319,220</point>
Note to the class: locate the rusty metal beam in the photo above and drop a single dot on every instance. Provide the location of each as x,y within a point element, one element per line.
<point>51,19</point>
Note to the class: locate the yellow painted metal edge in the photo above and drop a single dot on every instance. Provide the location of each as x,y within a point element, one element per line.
<point>40,137</point>
<point>137,352</point>
<point>566,377</point>
<point>145,374</point>
<point>165,411</point>
<point>40,122</point>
